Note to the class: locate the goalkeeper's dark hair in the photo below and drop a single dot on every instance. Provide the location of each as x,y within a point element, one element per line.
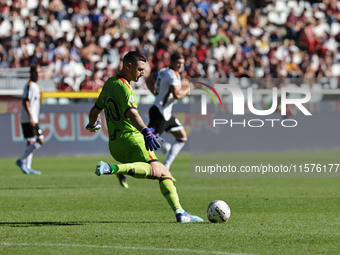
<point>176,55</point>
<point>34,73</point>
<point>133,57</point>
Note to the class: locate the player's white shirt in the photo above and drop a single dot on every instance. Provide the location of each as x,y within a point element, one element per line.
<point>164,101</point>
<point>32,93</point>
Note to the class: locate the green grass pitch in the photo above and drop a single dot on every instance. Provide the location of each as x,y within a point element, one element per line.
<point>70,210</point>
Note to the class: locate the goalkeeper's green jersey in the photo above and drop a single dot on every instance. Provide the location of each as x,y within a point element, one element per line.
<point>116,98</point>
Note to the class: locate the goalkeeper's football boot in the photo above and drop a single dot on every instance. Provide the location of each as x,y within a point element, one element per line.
<point>22,166</point>
<point>32,171</point>
<point>187,217</point>
<point>122,180</point>
<point>103,168</point>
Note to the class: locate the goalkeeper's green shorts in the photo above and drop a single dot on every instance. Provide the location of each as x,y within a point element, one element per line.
<point>129,148</point>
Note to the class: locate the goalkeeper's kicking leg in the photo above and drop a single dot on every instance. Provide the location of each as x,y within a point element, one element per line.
<point>152,170</point>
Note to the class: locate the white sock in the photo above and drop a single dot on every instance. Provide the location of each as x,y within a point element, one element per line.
<point>176,147</point>
<point>29,149</point>
<point>29,161</point>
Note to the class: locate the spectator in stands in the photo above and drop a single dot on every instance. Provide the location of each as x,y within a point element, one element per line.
<point>98,82</point>
<point>293,70</point>
<point>143,9</point>
<point>15,63</point>
<point>92,82</point>
<point>293,24</point>
<point>332,11</point>
<point>91,48</point>
<point>5,9</point>
<point>183,25</point>
<point>57,8</point>
<point>40,11</point>
<point>80,17</point>
<point>5,28</point>
<point>87,84</point>
<point>124,18</point>
<point>221,51</point>
<point>4,64</point>
<point>308,37</point>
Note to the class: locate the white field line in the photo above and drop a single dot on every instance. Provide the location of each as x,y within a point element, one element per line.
<point>121,247</point>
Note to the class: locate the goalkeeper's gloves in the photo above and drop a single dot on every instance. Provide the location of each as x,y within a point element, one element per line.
<point>94,128</point>
<point>151,140</point>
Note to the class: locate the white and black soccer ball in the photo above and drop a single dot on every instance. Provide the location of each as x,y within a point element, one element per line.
<point>218,211</point>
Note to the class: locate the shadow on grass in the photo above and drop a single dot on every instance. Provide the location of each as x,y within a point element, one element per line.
<point>74,223</point>
<point>25,188</point>
<point>39,224</point>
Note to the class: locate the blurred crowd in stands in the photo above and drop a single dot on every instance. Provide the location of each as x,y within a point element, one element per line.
<point>81,42</point>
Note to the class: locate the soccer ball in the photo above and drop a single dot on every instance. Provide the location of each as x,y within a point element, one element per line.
<point>218,211</point>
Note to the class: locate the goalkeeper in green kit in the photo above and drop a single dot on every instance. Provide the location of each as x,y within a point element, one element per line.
<point>131,142</point>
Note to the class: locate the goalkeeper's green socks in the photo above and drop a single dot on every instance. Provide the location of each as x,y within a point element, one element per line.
<point>144,170</point>
<point>136,170</point>
<point>169,191</point>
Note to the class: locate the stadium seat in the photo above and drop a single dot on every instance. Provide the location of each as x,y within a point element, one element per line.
<point>325,26</point>
<point>335,28</point>
<point>25,12</point>
<point>244,82</point>
<point>315,96</point>
<point>151,36</point>
<point>281,6</point>
<point>70,36</point>
<point>50,101</point>
<point>292,4</point>
<point>134,24</point>
<point>134,6</point>
<point>114,5</point>
<point>259,72</point>
<point>77,82</point>
<point>45,3</point>
<point>305,5</point>
<point>333,82</point>
<point>19,26</point>
<point>30,48</point>
<point>231,49</point>
<point>64,100</point>
<point>299,7</point>
<point>79,70</point>
<point>211,69</point>
<point>126,3</point>
<point>42,22</point>
<point>66,25</point>
<point>336,70</point>
<point>309,14</point>
<point>101,3</point>
<point>316,87</point>
<point>305,86</point>
<point>283,18</point>
<point>32,4</point>
<point>278,18</point>
<point>273,17</point>
<point>320,15</point>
